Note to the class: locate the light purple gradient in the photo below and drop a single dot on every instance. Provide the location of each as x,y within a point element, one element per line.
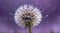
<point>48,7</point>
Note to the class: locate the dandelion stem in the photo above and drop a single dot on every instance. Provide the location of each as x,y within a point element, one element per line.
<point>29,27</point>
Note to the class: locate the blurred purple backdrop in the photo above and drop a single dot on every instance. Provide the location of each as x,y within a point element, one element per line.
<point>50,11</point>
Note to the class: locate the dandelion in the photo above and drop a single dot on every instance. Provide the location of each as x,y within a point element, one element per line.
<point>27,16</point>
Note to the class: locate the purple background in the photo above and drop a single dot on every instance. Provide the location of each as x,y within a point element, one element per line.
<point>50,11</point>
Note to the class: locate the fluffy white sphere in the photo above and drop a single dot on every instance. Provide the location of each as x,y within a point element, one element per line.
<point>27,9</point>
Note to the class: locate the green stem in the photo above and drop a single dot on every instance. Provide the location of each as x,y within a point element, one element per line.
<point>29,27</point>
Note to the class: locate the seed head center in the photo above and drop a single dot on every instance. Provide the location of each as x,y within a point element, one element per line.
<point>27,16</point>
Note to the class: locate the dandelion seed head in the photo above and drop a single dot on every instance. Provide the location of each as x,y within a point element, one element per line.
<point>27,13</point>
